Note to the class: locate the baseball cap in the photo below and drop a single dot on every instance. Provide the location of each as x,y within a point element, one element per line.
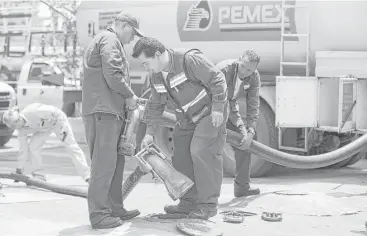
<point>132,21</point>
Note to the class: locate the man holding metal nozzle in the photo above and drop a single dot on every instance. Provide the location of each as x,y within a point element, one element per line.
<point>198,92</point>
<point>106,94</point>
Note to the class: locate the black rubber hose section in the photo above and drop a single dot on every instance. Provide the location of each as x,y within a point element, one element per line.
<point>285,159</point>
<point>297,161</point>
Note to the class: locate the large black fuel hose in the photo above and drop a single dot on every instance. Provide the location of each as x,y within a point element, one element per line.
<point>298,161</point>
<point>282,158</point>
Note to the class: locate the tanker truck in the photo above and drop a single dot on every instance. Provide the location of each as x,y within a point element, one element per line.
<point>313,64</point>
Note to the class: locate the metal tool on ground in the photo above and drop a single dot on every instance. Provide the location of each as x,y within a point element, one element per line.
<point>272,216</point>
<point>235,216</point>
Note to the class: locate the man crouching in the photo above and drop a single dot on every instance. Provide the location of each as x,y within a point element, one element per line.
<point>40,121</point>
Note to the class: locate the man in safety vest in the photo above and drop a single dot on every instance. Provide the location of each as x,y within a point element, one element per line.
<point>198,92</point>
<point>40,121</point>
<point>243,80</point>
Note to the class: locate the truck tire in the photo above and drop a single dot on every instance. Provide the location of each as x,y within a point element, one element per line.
<point>356,158</point>
<point>348,162</point>
<point>4,140</point>
<point>266,134</point>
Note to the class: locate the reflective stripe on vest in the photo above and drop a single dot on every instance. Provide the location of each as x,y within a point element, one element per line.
<point>198,116</point>
<point>160,88</point>
<point>178,79</point>
<point>200,96</point>
<point>174,81</point>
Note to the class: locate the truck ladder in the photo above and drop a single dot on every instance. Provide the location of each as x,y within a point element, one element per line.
<point>283,63</point>
<point>284,35</point>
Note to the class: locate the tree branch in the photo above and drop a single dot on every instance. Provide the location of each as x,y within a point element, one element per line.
<point>54,9</point>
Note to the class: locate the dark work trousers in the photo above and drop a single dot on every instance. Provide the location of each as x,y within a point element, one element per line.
<point>198,155</point>
<point>243,162</point>
<point>105,185</point>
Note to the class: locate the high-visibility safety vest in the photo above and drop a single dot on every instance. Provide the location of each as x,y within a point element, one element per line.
<point>189,97</point>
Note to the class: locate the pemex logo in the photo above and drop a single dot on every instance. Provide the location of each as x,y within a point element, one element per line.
<point>199,17</point>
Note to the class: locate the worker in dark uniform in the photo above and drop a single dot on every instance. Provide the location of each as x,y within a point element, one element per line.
<point>106,93</point>
<point>198,92</point>
<point>243,80</point>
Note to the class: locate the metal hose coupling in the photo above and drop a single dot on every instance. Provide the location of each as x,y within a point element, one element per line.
<point>152,160</point>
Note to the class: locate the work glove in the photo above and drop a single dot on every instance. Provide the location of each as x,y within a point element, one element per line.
<point>131,103</point>
<point>217,118</point>
<point>148,139</point>
<point>247,140</point>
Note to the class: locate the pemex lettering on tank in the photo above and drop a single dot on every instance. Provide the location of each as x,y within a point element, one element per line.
<point>205,20</point>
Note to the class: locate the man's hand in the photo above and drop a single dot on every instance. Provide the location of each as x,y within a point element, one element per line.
<point>148,139</point>
<point>131,102</point>
<point>247,140</point>
<point>143,167</point>
<point>217,118</point>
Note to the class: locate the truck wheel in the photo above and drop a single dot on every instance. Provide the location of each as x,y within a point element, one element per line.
<point>4,140</point>
<point>68,109</point>
<point>356,158</point>
<point>348,162</point>
<point>266,134</point>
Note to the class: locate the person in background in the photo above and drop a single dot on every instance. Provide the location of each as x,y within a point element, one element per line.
<point>35,124</point>
<point>243,80</point>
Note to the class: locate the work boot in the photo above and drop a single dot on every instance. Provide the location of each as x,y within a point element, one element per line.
<point>124,214</point>
<point>203,213</point>
<point>181,208</point>
<point>18,171</point>
<point>245,192</point>
<point>108,223</point>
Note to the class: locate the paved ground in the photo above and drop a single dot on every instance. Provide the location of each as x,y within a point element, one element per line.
<point>313,202</point>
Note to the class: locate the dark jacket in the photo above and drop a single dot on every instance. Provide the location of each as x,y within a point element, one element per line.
<point>106,82</point>
<point>249,88</point>
<point>194,94</point>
